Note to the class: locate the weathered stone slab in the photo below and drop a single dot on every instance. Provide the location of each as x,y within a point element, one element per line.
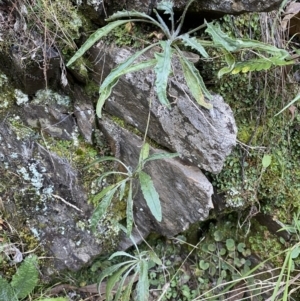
<point>203,137</point>
<point>199,6</point>
<point>184,191</point>
<point>44,191</point>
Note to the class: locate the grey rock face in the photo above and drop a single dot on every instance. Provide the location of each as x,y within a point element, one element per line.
<point>209,6</point>
<point>51,200</point>
<point>203,137</point>
<point>184,192</point>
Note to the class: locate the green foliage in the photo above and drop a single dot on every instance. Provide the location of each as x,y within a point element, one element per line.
<point>127,183</point>
<point>170,47</point>
<point>26,278</point>
<point>133,268</point>
<point>23,282</point>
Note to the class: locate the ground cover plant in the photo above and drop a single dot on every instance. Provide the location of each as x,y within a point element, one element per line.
<point>221,260</point>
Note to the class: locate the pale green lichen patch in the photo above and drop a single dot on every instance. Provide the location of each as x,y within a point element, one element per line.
<point>50,97</point>
<point>7,95</point>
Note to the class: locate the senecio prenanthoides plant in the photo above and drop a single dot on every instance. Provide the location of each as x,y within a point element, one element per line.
<point>267,55</point>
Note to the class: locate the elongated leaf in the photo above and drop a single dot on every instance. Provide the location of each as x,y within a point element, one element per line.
<point>102,207</point>
<point>231,44</point>
<point>122,283</point>
<point>259,64</point>
<point>54,299</point>
<point>151,196</point>
<point>129,210</point>
<point>113,279</point>
<point>133,14</point>
<point>107,158</point>
<point>110,270</point>
<point>6,291</point>
<point>108,173</point>
<point>289,104</point>
<point>143,283</point>
<point>95,199</point>
<point>162,71</point>
<point>161,156</point>
<point>122,253</point>
<point>105,93</point>
<point>155,258</point>
<point>122,189</point>
<point>163,25</point>
<point>93,38</point>
<point>127,291</point>
<point>195,82</point>
<point>122,68</point>
<point>182,18</point>
<point>112,79</point>
<point>144,153</point>
<point>26,277</point>
<point>193,43</point>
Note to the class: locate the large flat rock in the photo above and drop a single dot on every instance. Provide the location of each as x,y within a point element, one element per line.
<point>184,191</point>
<point>202,137</point>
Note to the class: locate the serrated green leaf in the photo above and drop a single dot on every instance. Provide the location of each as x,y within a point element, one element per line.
<point>122,190</point>
<point>26,277</point>
<point>150,194</point>
<point>126,67</point>
<point>266,161</point>
<point>162,71</point>
<point>129,209</point>
<point>231,44</point>
<point>160,156</point>
<point>102,207</point>
<point>143,283</point>
<point>193,43</point>
<point>166,6</point>
<point>105,92</point>
<point>127,291</point>
<point>6,291</point>
<point>122,283</point>
<point>144,153</point>
<point>110,270</point>
<point>113,279</point>
<point>252,65</point>
<point>195,83</point>
<point>95,37</point>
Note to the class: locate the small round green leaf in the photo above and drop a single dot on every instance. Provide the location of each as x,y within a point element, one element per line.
<point>203,265</point>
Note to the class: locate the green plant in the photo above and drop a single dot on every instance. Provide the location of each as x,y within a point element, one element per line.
<point>23,282</point>
<point>162,61</point>
<point>139,265</point>
<point>125,186</point>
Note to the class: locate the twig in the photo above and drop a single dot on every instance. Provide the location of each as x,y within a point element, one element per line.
<point>67,203</point>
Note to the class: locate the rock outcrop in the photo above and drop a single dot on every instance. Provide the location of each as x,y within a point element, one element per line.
<point>202,137</point>
<point>199,6</point>
<point>184,191</point>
